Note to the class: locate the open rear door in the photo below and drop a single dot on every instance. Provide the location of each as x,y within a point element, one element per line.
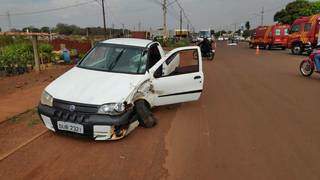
<point>176,83</point>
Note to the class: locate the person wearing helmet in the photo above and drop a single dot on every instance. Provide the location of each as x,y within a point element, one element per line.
<point>317,56</point>
<point>205,46</point>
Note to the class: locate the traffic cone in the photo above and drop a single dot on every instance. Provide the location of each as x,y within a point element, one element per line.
<point>258,50</point>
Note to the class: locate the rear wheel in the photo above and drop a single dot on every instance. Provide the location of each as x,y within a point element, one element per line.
<point>297,49</point>
<point>268,47</point>
<point>210,56</point>
<point>306,69</point>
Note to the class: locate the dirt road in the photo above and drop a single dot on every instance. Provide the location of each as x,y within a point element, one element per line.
<point>257,119</point>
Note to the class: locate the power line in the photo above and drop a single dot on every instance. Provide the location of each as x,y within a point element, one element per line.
<point>50,10</point>
<point>184,13</point>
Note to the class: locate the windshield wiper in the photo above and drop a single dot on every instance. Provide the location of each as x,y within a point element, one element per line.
<point>115,62</point>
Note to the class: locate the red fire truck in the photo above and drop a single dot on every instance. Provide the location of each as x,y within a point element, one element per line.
<point>304,34</point>
<point>275,36</point>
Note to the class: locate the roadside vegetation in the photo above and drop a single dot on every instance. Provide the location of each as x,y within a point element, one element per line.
<point>296,9</point>
<point>16,55</point>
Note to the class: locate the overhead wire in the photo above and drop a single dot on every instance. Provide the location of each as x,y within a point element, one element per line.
<point>49,10</point>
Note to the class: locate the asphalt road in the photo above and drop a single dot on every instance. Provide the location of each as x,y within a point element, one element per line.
<point>257,119</point>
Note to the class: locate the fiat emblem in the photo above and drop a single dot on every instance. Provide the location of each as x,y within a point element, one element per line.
<point>72,108</point>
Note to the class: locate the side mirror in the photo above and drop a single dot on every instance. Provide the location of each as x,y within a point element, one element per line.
<point>158,73</point>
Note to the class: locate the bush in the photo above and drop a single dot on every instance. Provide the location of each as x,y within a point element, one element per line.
<point>5,40</point>
<point>16,55</point>
<point>45,52</point>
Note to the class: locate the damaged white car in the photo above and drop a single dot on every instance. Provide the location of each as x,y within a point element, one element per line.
<point>113,88</point>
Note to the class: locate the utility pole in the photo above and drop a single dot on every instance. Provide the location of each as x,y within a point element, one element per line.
<point>262,16</point>
<point>180,23</point>
<point>113,31</point>
<point>164,6</point>
<point>104,19</point>
<point>123,33</point>
<point>139,26</point>
<point>9,21</point>
<point>188,30</point>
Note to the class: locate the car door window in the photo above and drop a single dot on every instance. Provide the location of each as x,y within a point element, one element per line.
<point>307,27</point>
<point>295,28</point>
<point>154,55</point>
<point>182,62</point>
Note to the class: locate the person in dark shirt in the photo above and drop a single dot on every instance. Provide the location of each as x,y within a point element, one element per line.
<point>205,46</point>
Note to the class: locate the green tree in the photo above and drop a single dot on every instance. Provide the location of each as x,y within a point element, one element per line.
<point>296,9</point>
<point>31,29</point>
<point>45,29</point>
<point>248,26</point>
<point>315,7</point>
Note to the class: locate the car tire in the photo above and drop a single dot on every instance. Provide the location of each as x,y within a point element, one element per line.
<point>145,116</point>
<point>269,47</point>
<point>297,49</point>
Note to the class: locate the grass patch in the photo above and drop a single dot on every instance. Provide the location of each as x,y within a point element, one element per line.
<point>33,123</point>
<point>14,119</point>
<point>17,118</point>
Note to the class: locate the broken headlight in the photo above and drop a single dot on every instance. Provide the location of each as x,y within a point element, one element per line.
<point>112,109</point>
<point>46,99</point>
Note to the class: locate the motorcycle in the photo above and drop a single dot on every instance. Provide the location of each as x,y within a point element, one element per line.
<point>308,66</point>
<point>209,55</point>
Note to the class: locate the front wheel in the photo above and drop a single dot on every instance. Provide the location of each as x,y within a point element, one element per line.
<point>210,56</point>
<point>296,49</point>
<point>145,116</point>
<point>306,69</point>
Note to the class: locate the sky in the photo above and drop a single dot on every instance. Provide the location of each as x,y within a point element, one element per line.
<point>203,14</point>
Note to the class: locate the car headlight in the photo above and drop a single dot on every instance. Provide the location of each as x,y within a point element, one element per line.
<point>112,109</point>
<point>46,99</point>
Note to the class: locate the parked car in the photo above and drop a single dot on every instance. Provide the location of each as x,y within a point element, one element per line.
<point>112,89</point>
<point>220,38</point>
<point>275,36</point>
<point>304,31</point>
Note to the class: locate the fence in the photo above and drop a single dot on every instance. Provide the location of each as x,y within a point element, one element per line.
<point>81,47</point>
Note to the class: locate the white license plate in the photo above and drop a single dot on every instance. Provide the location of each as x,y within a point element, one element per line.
<point>72,127</point>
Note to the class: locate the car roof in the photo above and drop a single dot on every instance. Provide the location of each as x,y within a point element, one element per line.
<point>129,42</point>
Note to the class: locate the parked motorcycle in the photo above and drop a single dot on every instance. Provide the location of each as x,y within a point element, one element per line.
<point>308,66</point>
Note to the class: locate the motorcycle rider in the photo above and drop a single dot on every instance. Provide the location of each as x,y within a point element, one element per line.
<point>317,56</point>
<point>206,46</point>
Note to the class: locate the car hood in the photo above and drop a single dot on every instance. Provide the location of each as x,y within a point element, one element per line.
<point>93,87</point>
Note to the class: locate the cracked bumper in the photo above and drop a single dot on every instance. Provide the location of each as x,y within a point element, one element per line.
<point>96,126</point>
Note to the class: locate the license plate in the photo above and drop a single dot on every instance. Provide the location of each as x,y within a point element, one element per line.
<point>71,127</point>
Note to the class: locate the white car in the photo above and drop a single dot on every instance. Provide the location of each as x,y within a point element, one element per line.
<point>99,97</point>
<point>220,38</point>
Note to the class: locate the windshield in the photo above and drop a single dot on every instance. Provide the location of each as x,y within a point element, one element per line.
<point>121,59</point>
<point>204,34</point>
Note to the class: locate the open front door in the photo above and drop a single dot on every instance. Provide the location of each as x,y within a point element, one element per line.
<point>178,77</point>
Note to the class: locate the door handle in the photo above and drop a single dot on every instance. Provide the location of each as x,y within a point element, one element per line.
<point>197,77</point>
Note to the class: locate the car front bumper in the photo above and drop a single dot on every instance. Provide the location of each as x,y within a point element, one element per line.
<point>96,126</point>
